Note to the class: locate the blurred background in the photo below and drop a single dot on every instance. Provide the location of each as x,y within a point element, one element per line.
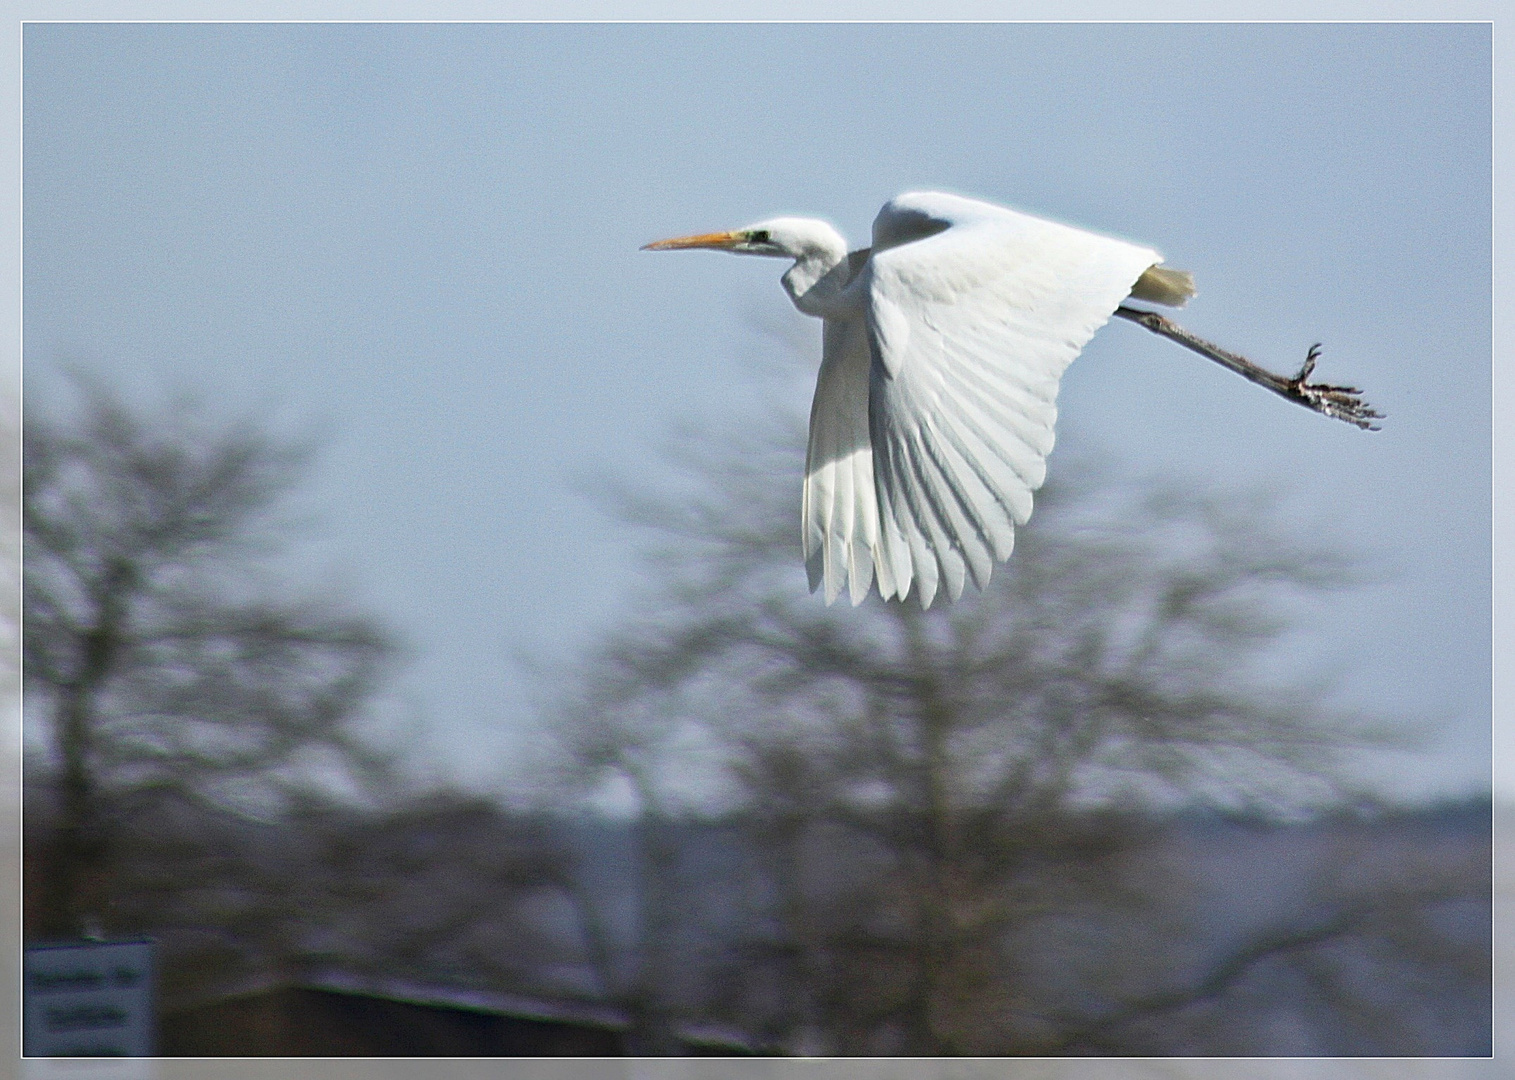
<point>417,645</point>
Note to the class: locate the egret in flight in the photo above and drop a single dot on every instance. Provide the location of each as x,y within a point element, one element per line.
<point>943,346</point>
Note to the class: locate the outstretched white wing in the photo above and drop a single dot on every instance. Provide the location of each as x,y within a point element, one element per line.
<point>973,312</point>
<point>840,512</point>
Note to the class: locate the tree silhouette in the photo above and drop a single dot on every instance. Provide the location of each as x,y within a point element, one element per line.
<point>157,657</point>
<point>933,790</point>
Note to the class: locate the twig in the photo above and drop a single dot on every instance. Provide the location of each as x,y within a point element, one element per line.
<point>1341,402</point>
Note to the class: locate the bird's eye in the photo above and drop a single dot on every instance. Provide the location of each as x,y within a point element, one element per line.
<point>758,236</point>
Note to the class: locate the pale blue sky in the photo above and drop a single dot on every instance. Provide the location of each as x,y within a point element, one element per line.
<point>426,237</point>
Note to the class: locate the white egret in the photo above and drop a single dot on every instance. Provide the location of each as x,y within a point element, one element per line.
<point>943,347</point>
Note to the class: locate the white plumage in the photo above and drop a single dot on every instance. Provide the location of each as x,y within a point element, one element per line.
<point>936,399</point>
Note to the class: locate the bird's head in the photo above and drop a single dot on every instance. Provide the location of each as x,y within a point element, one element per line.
<point>792,238</point>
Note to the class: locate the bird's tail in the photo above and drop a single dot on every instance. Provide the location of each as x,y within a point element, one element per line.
<point>1159,285</point>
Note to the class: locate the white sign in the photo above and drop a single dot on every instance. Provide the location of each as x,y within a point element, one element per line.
<point>91,999</point>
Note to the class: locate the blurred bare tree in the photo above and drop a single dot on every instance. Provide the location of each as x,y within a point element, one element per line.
<point>437,888</point>
<point>203,764</point>
<point>159,658</point>
<point>956,808</point>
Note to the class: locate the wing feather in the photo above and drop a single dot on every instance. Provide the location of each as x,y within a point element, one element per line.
<point>839,511</point>
<point>931,497</point>
<point>967,510</point>
<point>982,479</point>
<point>1001,423</point>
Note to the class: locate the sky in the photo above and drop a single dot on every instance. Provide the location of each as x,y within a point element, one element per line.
<point>423,240</point>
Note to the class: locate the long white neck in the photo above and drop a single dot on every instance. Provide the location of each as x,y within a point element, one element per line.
<point>819,273</point>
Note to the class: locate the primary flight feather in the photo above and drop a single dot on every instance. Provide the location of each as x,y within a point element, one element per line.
<point>944,344</point>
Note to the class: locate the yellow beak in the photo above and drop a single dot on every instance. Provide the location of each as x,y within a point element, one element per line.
<point>719,241</point>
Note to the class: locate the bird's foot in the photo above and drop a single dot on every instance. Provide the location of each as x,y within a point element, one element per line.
<point>1341,402</point>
